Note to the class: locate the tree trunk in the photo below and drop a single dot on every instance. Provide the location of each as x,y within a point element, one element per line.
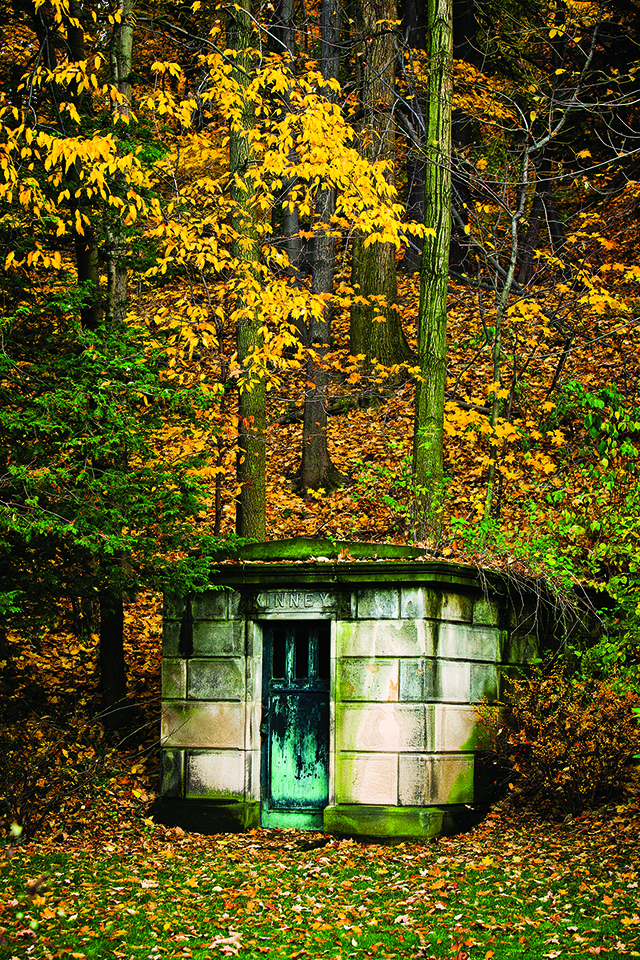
<point>283,30</point>
<point>113,678</point>
<point>544,212</point>
<point>121,53</point>
<point>5,650</point>
<point>112,665</point>
<point>543,208</point>
<point>374,275</point>
<point>461,137</point>
<point>374,267</point>
<point>251,504</point>
<point>317,470</point>
<point>432,342</point>
<point>88,269</point>
<point>464,34</point>
<point>465,27</point>
<point>415,38</point>
<point>85,243</point>
<point>414,163</point>
<point>284,44</point>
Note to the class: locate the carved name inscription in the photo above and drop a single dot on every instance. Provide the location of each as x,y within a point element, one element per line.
<point>294,600</point>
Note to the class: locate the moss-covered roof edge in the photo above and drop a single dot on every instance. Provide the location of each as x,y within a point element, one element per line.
<point>312,548</point>
<point>315,561</point>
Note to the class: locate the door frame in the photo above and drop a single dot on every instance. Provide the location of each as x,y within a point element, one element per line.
<point>302,819</point>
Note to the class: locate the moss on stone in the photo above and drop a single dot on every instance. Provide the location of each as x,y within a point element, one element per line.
<point>462,787</point>
<point>392,823</point>
<point>307,548</point>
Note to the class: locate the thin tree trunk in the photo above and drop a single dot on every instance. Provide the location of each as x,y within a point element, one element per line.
<point>414,162</point>
<point>113,677</point>
<point>5,650</point>
<point>543,208</point>
<point>415,38</point>
<point>460,191</point>
<point>112,665</point>
<point>491,503</point>
<point>113,671</point>
<point>544,213</point>
<point>317,470</point>
<point>85,242</point>
<point>464,35</point>
<point>251,503</point>
<point>88,270</point>
<point>374,275</point>
<point>121,61</point>
<point>374,267</point>
<point>432,343</point>
<point>284,43</point>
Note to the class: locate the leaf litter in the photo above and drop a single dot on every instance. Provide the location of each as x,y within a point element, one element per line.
<point>513,886</point>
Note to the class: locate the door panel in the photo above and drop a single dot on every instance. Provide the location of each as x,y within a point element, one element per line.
<point>295,724</point>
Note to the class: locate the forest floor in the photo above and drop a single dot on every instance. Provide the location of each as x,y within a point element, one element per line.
<point>99,878</point>
<point>512,887</point>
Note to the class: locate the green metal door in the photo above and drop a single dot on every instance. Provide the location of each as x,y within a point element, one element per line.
<point>295,724</point>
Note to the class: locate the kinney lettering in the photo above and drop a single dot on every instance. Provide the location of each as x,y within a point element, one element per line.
<point>293,600</point>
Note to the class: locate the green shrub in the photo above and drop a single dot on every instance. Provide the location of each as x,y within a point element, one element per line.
<point>569,742</point>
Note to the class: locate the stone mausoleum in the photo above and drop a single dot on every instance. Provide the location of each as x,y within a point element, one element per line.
<point>332,687</point>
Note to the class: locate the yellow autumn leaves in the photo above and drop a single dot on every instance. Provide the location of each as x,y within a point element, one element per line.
<point>514,439</point>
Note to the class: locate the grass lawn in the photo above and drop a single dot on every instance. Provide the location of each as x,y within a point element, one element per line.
<point>513,887</point>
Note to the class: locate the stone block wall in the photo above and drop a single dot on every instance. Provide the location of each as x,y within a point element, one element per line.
<point>409,666</point>
<point>210,714</point>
